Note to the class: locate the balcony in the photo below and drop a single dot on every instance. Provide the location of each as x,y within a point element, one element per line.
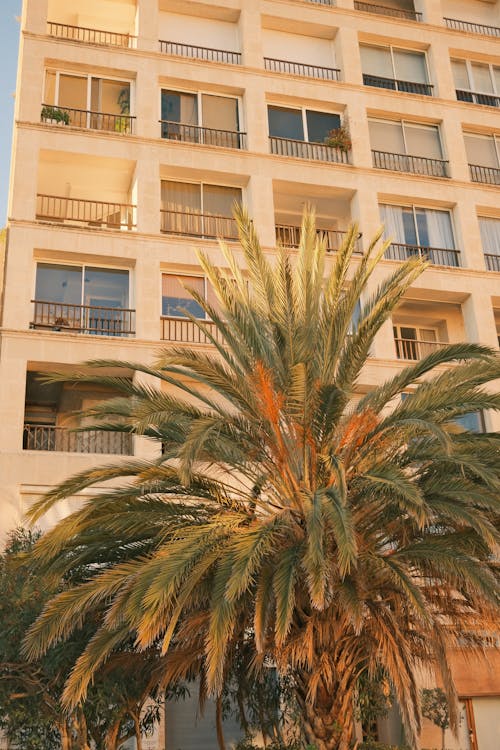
<point>414,349</point>
<point>471,27</point>
<point>91,36</point>
<point>288,235</point>
<point>193,224</point>
<point>385,10</point>
<point>492,262</point>
<point>88,213</point>
<point>184,331</point>
<point>307,150</point>
<point>415,164</point>
<point>178,131</point>
<point>86,119</point>
<point>407,87</point>
<point>301,69</point>
<point>208,54</point>
<point>39,437</point>
<point>487,100</point>
<point>435,255</point>
<point>485,175</point>
<point>92,319</point>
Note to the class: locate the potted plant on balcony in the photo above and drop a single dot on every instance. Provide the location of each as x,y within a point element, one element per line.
<point>54,115</point>
<point>339,138</point>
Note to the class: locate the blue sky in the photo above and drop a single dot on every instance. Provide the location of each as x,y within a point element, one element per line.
<point>9,34</point>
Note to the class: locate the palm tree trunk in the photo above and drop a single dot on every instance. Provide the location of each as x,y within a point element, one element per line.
<point>329,722</point>
<point>138,735</point>
<point>218,723</point>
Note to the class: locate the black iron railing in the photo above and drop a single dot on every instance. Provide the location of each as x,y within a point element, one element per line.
<point>84,118</point>
<point>100,214</point>
<point>475,28</point>
<point>198,225</point>
<point>384,10</point>
<point>306,150</point>
<point>179,131</point>
<point>331,3</point>
<point>301,69</point>
<point>438,256</point>
<point>486,175</point>
<point>200,53</point>
<point>406,163</point>
<point>101,321</point>
<point>288,235</point>
<point>91,36</point>
<point>40,437</point>
<point>487,100</point>
<point>492,261</point>
<point>415,349</point>
<point>182,330</point>
<point>407,87</point>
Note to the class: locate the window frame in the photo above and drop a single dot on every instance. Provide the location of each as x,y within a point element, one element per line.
<point>496,143</point>
<point>83,266</point>
<point>415,207</point>
<point>470,76</point>
<point>89,76</point>
<point>199,93</point>
<point>395,47</point>
<point>201,185</point>
<point>180,275</point>
<point>402,122</point>
<point>303,110</point>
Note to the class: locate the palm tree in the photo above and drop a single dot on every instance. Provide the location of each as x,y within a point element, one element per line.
<point>339,538</point>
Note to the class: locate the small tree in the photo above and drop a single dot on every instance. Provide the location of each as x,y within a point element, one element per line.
<point>435,708</point>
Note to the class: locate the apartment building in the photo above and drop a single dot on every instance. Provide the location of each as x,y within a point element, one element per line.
<point>138,123</point>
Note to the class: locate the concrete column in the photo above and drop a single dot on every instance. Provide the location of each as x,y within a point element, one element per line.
<point>146,194</point>
<point>479,319</point>
<point>144,447</point>
<point>147,101</point>
<point>261,203</point>
<point>454,146</point>
<point>255,118</point>
<point>147,24</point>
<point>13,373</point>
<point>431,11</point>
<point>366,213</point>
<point>147,299</point>
<point>347,4</point>
<point>250,35</point>
<point>24,178</point>
<point>356,120</point>
<point>34,18</point>
<point>468,236</point>
<point>347,55</point>
<point>438,57</point>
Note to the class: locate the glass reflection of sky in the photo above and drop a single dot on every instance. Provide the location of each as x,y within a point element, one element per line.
<point>101,286</point>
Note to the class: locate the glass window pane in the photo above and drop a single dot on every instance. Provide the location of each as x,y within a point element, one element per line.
<point>73,92</point>
<point>496,78</point>
<point>482,78</point>
<point>175,295</point>
<point>49,94</point>
<point>220,112</point>
<point>481,150</point>
<point>58,284</point>
<point>410,66</point>
<point>460,75</point>
<point>114,97</point>
<point>285,123</point>
<point>386,136</point>
<point>219,200</point>
<point>490,235</point>
<point>178,107</point>
<point>423,140</point>
<point>399,225</point>
<point>319,125</point>
<point>410,233</point>
<point>434,228</point>
<point>105,287</point>
<point>472,421</point>
<point>376,61</point>
<point>180,196</point>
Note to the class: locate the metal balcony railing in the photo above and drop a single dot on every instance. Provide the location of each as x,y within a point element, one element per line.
<point>182,330</point>
<point>438,256</point>
<point>406,163</point>
<point>306,150</point>
<point>384,10</point>
<point>487,100</point>
<point>100,214</point>
<point>200,53</point>
<point>487,175</point>
<point>301,69</point>
<point>330,3</point>
<point>84,118</point>
<point>475,28</point>
<point>91,36</point>
<point>179,131</point>
<point>415,349</point>
<point>407,87</point>
<point>288,235</point>
<point>101,321</point>
<point>40,437</point>
<point>193,224</point>
<point>492,261</point>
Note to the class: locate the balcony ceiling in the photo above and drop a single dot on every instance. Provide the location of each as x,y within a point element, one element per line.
<point>82,176</point>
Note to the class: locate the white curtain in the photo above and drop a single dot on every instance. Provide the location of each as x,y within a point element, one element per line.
<point>180,196</point>
<point>439,229</point>
<point>460,74</point>
<point>392,216</point>
<point>482,78</point>
<point>490,235</point>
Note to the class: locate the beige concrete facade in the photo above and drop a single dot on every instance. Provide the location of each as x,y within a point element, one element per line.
<point>107,204</point>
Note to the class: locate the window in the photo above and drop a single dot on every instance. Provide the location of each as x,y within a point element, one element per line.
<point>87,298</point>
<point>396,69</point>
<point>407,147</point>
<point>483,155</point>
<point>490,238</point>
<point>415,230</point>
<point>413,342</point>
<point>301,124</point>
<point>200,118</point>
<point>472,422</point>
<point>201,210</point>
<point>477,82</point>
<point>90,102</point>
<point>176,297</point>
